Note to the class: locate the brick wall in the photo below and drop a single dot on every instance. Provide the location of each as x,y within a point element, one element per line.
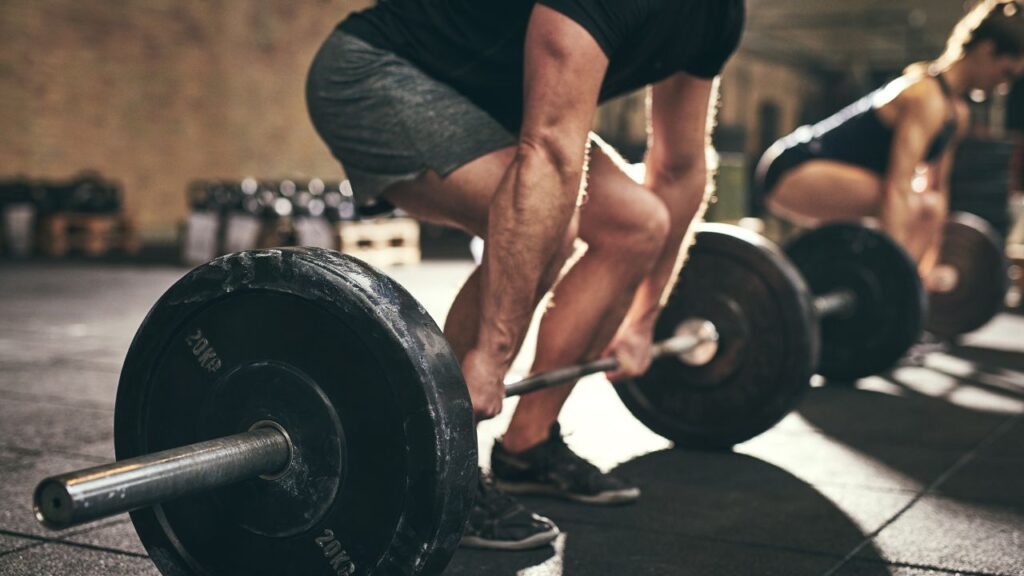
<point>747,83</point>
<point>158,92</point>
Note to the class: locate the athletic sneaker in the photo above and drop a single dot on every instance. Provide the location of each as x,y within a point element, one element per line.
<point>552,469</point>
<point>499,522</point>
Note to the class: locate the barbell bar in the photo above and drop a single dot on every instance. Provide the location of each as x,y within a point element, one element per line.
<point>695,343</point>
<point>99,492</point>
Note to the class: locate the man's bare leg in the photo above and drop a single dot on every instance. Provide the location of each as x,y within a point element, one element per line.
<point>625,226</point>
<point>463,320</point>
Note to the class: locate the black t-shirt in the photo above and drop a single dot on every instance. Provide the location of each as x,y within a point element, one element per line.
<point>476,46</point>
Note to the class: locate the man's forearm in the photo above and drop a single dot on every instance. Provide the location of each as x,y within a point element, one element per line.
<point>685,198</point>
<point>529,217</point>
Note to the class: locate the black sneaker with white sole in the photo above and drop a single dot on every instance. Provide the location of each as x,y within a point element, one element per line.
<point>553,469</point>
<point>499,522</point>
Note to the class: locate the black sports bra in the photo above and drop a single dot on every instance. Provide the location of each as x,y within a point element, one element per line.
<point>856,134</point>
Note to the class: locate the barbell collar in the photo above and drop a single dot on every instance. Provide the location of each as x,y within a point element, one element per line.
<point>689,345</point>
<point>86,495</point>
<point>695,343</point>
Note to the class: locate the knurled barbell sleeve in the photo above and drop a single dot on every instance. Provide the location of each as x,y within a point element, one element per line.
<point>102,491</point>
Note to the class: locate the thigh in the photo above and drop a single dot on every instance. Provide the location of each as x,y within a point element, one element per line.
<point>461,199</point>
<point>389,122</point>
<point>826,191</point>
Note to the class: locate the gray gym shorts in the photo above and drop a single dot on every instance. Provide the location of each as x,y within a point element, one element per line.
<point>387,121</point>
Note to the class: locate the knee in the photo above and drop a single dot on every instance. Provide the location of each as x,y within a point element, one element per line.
<point>774,204</point>
<point>935,208</point>
<point>568,246</point>
<point>640,232</point>
<point>778,201</point>
<point>657,226</point>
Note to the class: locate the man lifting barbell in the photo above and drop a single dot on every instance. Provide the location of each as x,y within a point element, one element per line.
<point>865,161</point>
<point>477,116</point>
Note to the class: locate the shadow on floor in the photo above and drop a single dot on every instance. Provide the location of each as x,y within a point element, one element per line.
<point>701,513</point>
<point>950,431</point>
<point>934,419</point>
<point>1002,363</point>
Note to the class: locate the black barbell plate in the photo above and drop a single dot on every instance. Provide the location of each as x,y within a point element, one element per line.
<point>358,374</point>
<point>744,285</point>
<point>890,309</point>
<point>973,247</point>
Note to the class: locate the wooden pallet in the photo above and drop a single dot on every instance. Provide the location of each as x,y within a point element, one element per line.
<point>89,234</point>
<point>17,228</point>
<point>1015,253</point>
<point>382,243</point>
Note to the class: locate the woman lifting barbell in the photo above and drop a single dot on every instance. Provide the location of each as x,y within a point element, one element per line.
<point>890,154</point>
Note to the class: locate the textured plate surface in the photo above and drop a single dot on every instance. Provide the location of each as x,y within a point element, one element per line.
<point>345,358</point>
<point>975,250</point>
<point>744,285</point>
<point>889,314</point>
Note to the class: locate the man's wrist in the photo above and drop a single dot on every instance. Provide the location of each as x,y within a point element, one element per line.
<point>499,351</point>
<point>642,325</point>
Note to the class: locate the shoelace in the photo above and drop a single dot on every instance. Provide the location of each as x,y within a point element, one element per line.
<point>491,497</point>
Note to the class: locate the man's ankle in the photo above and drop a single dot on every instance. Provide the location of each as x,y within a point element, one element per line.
<point>519,440</point>
<point>553,469</point>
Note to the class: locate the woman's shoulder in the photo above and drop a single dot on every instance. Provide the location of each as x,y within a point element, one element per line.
<point>918,94</point>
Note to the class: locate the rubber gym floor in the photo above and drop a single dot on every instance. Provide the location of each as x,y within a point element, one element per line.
<point>918,471</point>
